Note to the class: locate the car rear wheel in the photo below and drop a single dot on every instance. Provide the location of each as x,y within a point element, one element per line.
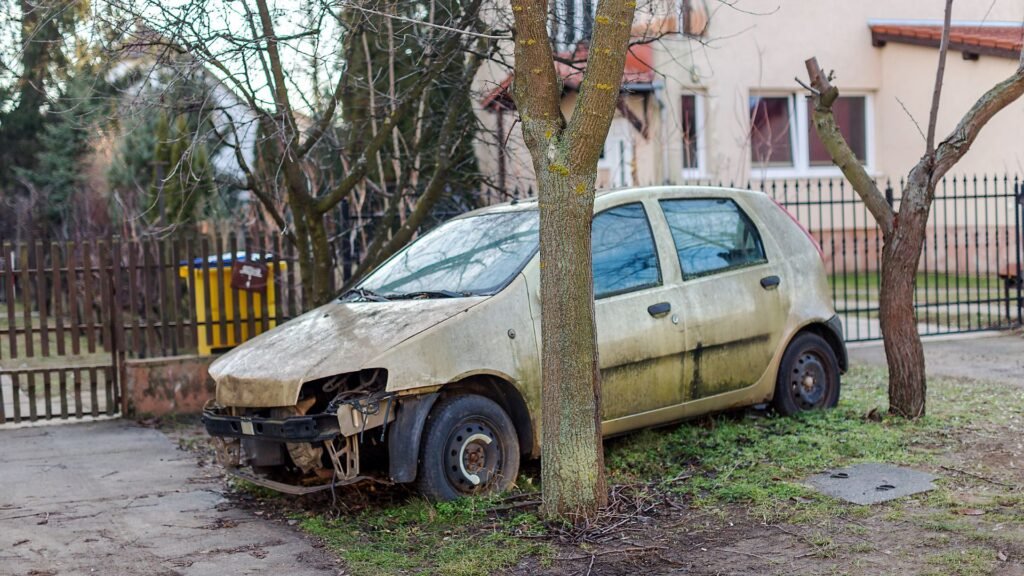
<point>808,376</point>
<point>469,447</point>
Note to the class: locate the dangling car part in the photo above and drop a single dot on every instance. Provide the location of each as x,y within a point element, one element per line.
<point>314,450</point>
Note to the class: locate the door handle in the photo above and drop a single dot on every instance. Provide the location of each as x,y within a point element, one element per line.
<point>659,309</point>
<point>769,282</point>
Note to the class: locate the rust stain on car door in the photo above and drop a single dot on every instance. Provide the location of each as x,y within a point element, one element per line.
<point>732,332</point>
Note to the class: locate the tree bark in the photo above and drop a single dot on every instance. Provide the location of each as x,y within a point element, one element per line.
<point>565,156</point>
<point>323,261</point>
<point>901,255</point>
<point>572,474</point>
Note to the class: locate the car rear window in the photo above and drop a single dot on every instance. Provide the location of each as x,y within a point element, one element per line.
<point>712,235</point>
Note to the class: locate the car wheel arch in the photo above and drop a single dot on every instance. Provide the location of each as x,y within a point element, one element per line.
<point>506,395</point>
<point>808,375</point>
<point>832,333</point>
<point>406,433</point>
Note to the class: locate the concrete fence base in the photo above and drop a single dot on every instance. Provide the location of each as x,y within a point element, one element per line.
<point>170,385</point>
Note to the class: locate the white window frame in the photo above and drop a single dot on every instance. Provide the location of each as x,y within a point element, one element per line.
<point>702,151</point>
<point>799,122</point>
<point>620,132</point>
<point>561,12</point>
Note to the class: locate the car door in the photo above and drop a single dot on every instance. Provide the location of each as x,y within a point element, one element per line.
<point>640,342</point>
<point>733,298</point>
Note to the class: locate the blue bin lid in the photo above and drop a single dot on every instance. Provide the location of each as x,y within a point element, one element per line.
<point>228,258</point>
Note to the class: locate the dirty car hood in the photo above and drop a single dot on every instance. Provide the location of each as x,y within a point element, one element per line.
<point>336,338</point>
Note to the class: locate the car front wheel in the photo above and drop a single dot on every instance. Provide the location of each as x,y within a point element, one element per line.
<point>469,447</point>
<point>808,376</point>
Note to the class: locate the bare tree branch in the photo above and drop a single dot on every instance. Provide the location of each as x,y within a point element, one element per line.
<point>933,116</point>
<point>422,23</point>
<point>959,141</point>
<point>840,151</point>
<point>361,164</point>
<point>599,89</point>
<point>281,102</point>
<point>536,85</point>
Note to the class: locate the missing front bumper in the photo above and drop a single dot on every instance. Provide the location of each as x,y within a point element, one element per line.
<point>294,489</point>
<point>313,452</point>
<point>307,428</point>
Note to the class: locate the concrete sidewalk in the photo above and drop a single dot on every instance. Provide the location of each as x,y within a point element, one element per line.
<point>987,356</point>
<point>115,498</point>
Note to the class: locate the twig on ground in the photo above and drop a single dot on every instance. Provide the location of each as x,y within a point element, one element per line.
<point>607,552</point>
<point>751,554</point>
<point>980,477</point>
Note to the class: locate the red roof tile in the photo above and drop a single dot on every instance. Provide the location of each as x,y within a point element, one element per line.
<point>637,71</point>
<point>995,40</point>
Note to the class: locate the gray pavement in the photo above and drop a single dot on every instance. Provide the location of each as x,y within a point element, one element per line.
<point>115,498</point>
<point>985,356</point>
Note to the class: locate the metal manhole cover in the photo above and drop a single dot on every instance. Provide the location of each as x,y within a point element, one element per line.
<point>871,483</point>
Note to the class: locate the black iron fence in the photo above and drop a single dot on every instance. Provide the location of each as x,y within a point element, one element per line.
<point>969,278</point>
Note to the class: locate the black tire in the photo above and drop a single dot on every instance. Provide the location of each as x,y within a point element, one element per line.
<point>469,447</point>
<point>808,376</point>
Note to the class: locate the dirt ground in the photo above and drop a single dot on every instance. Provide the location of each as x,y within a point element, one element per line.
<point>978,528</point>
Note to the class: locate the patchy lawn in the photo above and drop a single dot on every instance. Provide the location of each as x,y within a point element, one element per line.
<point>722,495</point>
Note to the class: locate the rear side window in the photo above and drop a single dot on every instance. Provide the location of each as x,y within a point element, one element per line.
<point>712,235</point>
<point>625,258</point>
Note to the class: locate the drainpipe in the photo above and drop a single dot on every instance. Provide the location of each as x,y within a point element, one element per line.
<point>502,170</point>
<point>659,95</point>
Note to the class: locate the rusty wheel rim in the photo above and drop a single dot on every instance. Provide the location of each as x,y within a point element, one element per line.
<point>473,455</point>
<point>809,381</point>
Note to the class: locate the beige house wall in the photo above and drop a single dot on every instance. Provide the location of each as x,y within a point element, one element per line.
<point>759,48</point>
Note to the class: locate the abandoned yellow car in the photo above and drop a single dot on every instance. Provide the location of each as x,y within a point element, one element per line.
<point>429,370</point>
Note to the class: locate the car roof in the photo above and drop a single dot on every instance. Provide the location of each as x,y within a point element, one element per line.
<point>613,196</point>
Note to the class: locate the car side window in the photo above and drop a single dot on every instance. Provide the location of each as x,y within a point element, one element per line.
<point>624,256</point>
<point>712,235</point>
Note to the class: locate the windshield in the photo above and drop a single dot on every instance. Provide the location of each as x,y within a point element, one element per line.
<point>467,256</point>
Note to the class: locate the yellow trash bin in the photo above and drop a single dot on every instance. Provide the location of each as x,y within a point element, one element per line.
<point>214,282</point>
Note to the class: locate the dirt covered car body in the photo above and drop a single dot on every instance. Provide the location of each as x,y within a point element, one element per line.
<point>706,299</point>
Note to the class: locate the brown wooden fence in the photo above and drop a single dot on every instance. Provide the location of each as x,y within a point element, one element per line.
<point>71,312</point>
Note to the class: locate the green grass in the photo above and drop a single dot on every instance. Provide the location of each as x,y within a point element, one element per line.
<point>966,562</point>
<point>758,461</point>
<point>460,538</point>
<point>931,286</point>
<point>753,462</point>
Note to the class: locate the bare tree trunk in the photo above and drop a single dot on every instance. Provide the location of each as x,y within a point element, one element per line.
<point>565,156</point>
<point>323,261</point>
<point>901,255</point>
<point>573,470</point>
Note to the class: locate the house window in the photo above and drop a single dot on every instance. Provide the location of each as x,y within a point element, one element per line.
<point>689,126</point>
<point>784,142</point>
<point>572,22</point>
<point>849,112</point>
<point>771,130</point>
